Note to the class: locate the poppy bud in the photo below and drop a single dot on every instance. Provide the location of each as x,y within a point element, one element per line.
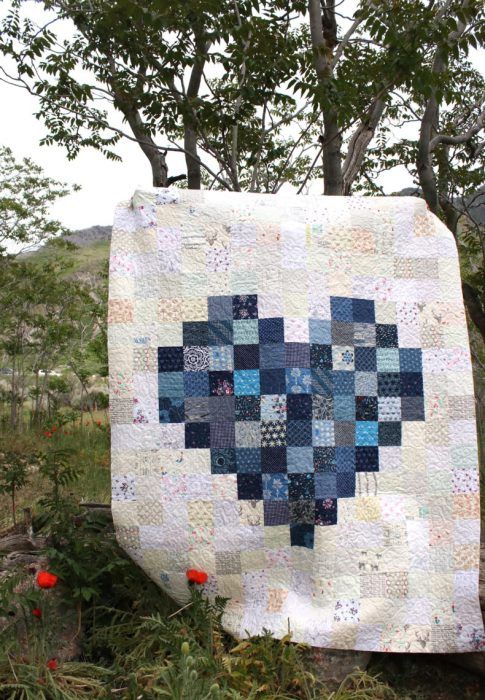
<point>46,580</point>
<point>52,664</point>
<point>37,612</point>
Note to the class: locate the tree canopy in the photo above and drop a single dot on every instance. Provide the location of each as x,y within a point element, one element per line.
<point>260,93</point>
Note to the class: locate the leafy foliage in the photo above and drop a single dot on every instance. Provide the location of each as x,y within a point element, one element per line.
<point>26,195</point>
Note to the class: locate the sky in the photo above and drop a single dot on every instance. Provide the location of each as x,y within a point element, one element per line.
<point>103,182</point>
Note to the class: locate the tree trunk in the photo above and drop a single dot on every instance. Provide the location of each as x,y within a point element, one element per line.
<point>359,142</point>
<point>332,155</point>
<point>192,158</point>
<point>323,44</point>
<point>190,120</point>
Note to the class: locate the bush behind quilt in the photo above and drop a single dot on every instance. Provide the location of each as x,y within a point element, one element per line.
<point>292,412</point>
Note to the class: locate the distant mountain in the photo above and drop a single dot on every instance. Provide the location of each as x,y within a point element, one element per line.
<point>475,203</point>
<point>87,236</point>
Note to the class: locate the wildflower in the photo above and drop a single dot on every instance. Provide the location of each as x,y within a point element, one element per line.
<point>47,434</point>
<point>52,664</point>
<point>37,612</point>
<point>54,429</point>
<point>195,576</point>
<point>46,580</point>
<point>98,422</point>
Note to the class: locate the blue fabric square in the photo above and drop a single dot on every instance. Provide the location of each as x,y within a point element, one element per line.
<point>386,335</point>
<point>219,333</point>
<point>344,408</point>
<point>196,383</point>
<point>246,382</point>
<point>223,461</point>
<point>323,434</point>
<point>245,306</point>
<point>245,332</point>
<point>248,408</point>
<point>410,360</point>
<point>367,459</point>
<point>221,383</point>
<point>221,357</point>
<point>320,331</point>
<point>276,513</point>
<point>197,435</point>
<point>366,408</point>
<point>301,487</point>
<point>389,384</point>
<point>321,356</point>
<point>341,309</point>
<point>171,359</point>
<point>273,459</point>
<point>302,535</point>
<point>171,410</point>
<point>220,308</point>
<point>343,383</point>
<point>326,511</point>
<point>390,434</point>
<point>325,485</point>
<point>322,382</point>
<point>324,459</point>
<point>346,485</point>
<point>248,460</point>
<point>363,311</point>
<point>299,459</point>
<point>171,384</point>
<point>246,356</point>
<point>299,433</point>
<point>411,384</point>
<point>275,487</point>
<point>297,355</point>
<point>412,408</point>
<point>249,487</point>
<point>345,459</point>
<point>271,330</point>
<point>298,380</point>
<point>366,433</point>
<point>365,359</point>
<point>195,333</point>
<point>273,381</point>
<point>387,359</point>
<point>272,356</point>
<point>222,434</point>
<point>299,407</point>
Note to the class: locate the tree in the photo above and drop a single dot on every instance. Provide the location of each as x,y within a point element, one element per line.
<point>149,62</point>
<point>26,195</point>
<point>259,93</point>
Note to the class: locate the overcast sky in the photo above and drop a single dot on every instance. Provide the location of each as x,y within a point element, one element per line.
<point>103,182</point>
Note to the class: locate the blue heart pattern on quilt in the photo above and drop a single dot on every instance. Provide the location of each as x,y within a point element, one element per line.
<point>295,421</point>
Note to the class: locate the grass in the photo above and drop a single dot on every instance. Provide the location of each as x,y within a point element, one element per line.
<point>89,455</point>
<point>86,259</point>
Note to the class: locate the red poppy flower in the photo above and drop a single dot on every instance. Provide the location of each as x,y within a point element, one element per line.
<point>46,580</point>
<point>47,434</point>
<point>195,576</point>
<point>37,612</point>
<point>53,430</point>
<point>52,664</point>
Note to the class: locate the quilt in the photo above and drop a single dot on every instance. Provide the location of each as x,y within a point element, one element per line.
<point>292,415</point>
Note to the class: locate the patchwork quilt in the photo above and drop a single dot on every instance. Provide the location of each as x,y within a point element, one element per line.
<point>292,413</point>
